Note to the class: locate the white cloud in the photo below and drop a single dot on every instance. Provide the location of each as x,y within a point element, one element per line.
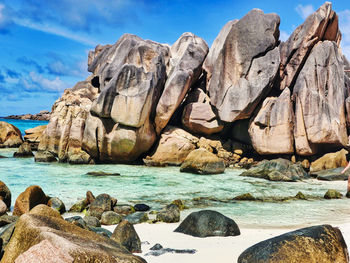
<point>344,24</point>
<point>284,35</point>
<point>37,81</point>
<point>304,10</point>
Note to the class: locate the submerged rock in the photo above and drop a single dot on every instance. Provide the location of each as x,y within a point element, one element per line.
<point>333,194</point>
<point>125,235</point>
<point>44,157</point>
<point>277,170</point>
<point>208,223</point>
<point>10,136</point>
<point>24,151</point>
<point>245,197</point>
<point>320,244</point>
<point>102,174</point>
<point>202,161</point>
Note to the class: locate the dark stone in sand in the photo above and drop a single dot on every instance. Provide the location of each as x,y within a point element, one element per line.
<point>137,218</point>
<point>331,175</point>
<point>102,203</point>
<point>102,174</point>
<point>162,251</point>
<point>141,207</point>
<point>156,247</point>
<point>126,235</point>
<point>322,243</point>
<point>57,204</point>
<point>208,223</point>
<point>101,231</point>
<point>92,221</point>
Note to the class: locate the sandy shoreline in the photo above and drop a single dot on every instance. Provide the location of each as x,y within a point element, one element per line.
<point>211,249</point>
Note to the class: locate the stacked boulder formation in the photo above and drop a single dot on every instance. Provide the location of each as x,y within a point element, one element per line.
<point>280,98</point>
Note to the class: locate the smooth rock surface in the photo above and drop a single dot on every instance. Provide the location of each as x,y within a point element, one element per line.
<point>10,136</point>
<point>125,234</point>
<point>31,197</point>
<point>101,204</point>
<point>110,218</point>
<point>330,161</point>
<point>33,136</point>
<point>57,204</point>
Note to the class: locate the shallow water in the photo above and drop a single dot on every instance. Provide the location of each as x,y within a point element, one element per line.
<point>23,125</point>
<point>159,186</point>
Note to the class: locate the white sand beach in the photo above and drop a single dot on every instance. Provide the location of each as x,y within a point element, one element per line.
<point>210,249</point>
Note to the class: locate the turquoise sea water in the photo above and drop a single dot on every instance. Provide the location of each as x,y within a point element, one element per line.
<point>23,125</point>
<point>159,186</point>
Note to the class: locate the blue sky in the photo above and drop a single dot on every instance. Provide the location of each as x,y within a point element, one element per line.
<point>44,44</point>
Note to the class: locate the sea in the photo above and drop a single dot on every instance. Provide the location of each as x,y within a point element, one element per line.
<point>159,186</point>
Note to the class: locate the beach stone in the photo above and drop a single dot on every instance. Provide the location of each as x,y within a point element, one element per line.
<point>331,175</point>
<point>5,194</point>
<point>79,206</point>
<point>141,207</point>
<point>202,161</point>
<point>90,197</point>
<point>10,136</point>
<point>245,197</point>
<point>162,251</point>
<point>321,244</point>
<point>68,239</point>
<point>330,161</point>
<point>24,150</point>
<point>33,136</point>
<point>125,234</point>
<point>92,221</point>
<point>56,203</point>
<point>179,203</point>
<point>156,247</point>
<point>174,146</point>
<point>28,199</point>
<point>169,214</point>
<point>7,219</point>
<point>300,196</point>
<point>306,164</point>
<point>110,218</point>
<point>137,218</point>
<point>333,194</point>
<point>208,223</point>
<point>124,209</point>
<point>6,234</point>
<point>277,170</point>
<point>78,221</point>
<point>102,203</point>
<point>100,231</point>
<point>102,174</point>
<point>3,208</point>
<point>44,157</point>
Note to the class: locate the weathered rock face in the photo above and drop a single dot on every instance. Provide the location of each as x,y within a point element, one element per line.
<point>319,26</point>
<point>120,127</point>
<point>312,244</point>
<point>33,136</point>
<point>125,235</point>
<point>208,223</point>
<point>28,199</point>
<point>174,146</point>
<point>274,123</point>
<point>202,161</point>
<point>245,65</point>
<point>75,243</point>
<point>330,161</point>
<point>64,134</point>
<point>320,94</point>
<point>10,136</point>
<point>187,56</point>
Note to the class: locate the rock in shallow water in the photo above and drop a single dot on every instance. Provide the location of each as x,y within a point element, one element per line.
<point>44,157</point>
<point>208,223</point>
<point>10,136</point>
<point>321,244</point>
<point>332,194</point>
<point>331,175</point>
<point>24,151</point>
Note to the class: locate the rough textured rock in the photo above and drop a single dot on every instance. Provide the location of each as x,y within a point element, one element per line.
<point>28,199</point>
<point>25,150</point>
<point>6,219</point>
<point>332,194</point>
<point>64,133</point>
<point>124,209</point>
<point>242,64</point>
<point>6,234</point>
<point>319,26</point>
<point>321,244</point>
<point>44,157</point>
<point>277,170</point>
<point>5,194</point>
<point>274,123</point>
<point>67,239</point>
<point>169,214</point>
<point>125,235</point>
<point>92,221</point>
<point>79,206</point>
<point>141,208</point>
<point>320,94</point>
<point>199,118</point>
<point>110,218</point>
<point>43,115</point>
<point>203,162</point>
<point>330,161</point>
<point>174,146</point>
<point>120,128</point>
<point>3,208</point>
<point>187,56</point>
<point>208,223</point>
<point>331,175</point>
<point>57,204</point>
<point>102,203</point>
<point>10,136</point>
<point>137,218</point>
<point>33,136</point>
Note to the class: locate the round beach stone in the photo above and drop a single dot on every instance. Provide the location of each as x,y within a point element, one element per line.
<point>92,221</point>
<point>125,234</point>
<point>57,204</point>
<point>124,209</point>
<point>332,194</point>
<point>137,218</point>
<point>141,207</point>
<point>101,204</point>
<point>110,218</point>
<point>169,214</point>
<point>79,206</point>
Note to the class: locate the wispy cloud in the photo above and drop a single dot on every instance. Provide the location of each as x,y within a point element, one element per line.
<point>344,24</point>
<point>304,10</point>
<point>5,20</point>
<point>283,35</point>
<point>31,63</point>
<point>37,81</point>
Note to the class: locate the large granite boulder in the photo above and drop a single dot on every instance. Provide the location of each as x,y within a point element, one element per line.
<point>320,244</point>
<point>208,223</point>
<point>64,133</point>
<point>330,161</point>
<point>5,194</point>
<point>202,161</point>
<point>319,93</point>
<point>125,235</point>
<point>277,170</point>
<point>25,150</point>
<point>242,64</point>
<point>187,56</point>
<point>271,131</point>
<point>120,128</point>
<point>174,146</point>
<point>28,199</point>
<point>10,136</point>
<point>44,233</point>
<point>319,26</point>
<point>33,136</point>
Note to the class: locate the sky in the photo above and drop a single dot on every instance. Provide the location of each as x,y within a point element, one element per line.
<point>44,44</point>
